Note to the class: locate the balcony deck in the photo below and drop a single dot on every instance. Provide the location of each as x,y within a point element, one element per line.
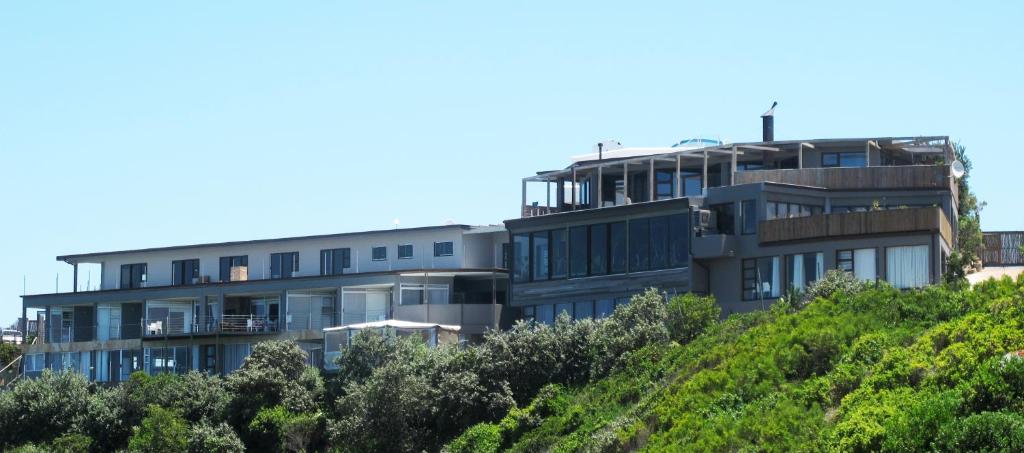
<point>892,177</point>
<point>930,219</point>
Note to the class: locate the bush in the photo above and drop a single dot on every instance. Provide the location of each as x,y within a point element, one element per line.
<point>277,429</point>
<point>274,374</point>
<point>38,410</point>
<point>987,431</point>
<point>834,282</point>
<point>629,328</point>
<point>997,385</point>
<point>162,431</point>
<point>689,315</point>
<point>218,438</point>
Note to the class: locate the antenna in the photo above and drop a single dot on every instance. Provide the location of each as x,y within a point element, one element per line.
<point>957,169</point>
<point>396,222</point>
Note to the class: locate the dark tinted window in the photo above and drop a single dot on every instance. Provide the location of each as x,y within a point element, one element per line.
<point>227,262</point>
<point>748,216</point>
<point>639,245</point>
<point>133,275</point>
<point>545,314</point>
<point>578,251</point>
<point>659,242</point>
<point>541,255</point>
<point>726,221</point>
<point>559,249</point>
<point>679,235</point>
<point>617,247</point>
<point>599,249</point>
<point>847,159</point>
<point>379,253</point>
<point>604,308</point>
<point>664,187</point>
<point>444,248</point>
<point>284,265</point>
<point>335,261</point>
<point>185,272</point>
<point>583,310</point>
<point>405,251</point>
<point>521,258</point>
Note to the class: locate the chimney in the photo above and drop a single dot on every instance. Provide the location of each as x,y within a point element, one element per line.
<point>768,124</point>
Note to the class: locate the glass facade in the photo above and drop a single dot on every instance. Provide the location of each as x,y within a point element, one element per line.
<point>284,265</point>
<point>540,256</point>
<point>559,250</point>
<point>578,248</point>
<point>761,278</point>
<point>846,159</point>
<point>748,216</point>
<point>803,269</point>
<point>185,272</point>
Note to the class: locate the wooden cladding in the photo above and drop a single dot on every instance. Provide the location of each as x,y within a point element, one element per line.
<point>930,219</point>
<point>1003,248</point>
<point>895,177</point>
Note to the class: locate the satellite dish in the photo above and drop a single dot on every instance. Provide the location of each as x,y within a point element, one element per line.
<point>957,168</point>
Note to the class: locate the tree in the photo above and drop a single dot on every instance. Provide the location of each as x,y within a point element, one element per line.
<point>969,237</point>
<point>689,315</point>
<point>219,438</point>
<point>162,431</point>
<point>38,410</point>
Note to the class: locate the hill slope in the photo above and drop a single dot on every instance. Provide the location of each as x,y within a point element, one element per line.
<point>875,370</point>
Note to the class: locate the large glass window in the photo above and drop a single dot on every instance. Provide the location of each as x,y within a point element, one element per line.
<point>415,294</point>
<point>227,263</point>
<point>185,272</point>
<point>761,278</point>
<point>859,262</point>
<point>804,268</point>
<point>748,216</point>
<point>284,265</point>
<point>559,249</point>
<point>783,210</point>
<point>545,314</point>
<point>617,247</point>
<point>540,256</point>
<point>679,237</point>
<point>599,249</point>
<point>725,218</point>
<point>659,242</point>
<point>379,253</point>
<point>664,189</point>
<point>133,275</point>
<point>335,261</point>
<point>565,307</point>
<point>907,266</point>
<point>583,310</point>
<point>521,258</point>
<point>578,251</point>
<point>692,185</point>
<point>639,245</point>
<point>846,159</point>
<point>604,308</point>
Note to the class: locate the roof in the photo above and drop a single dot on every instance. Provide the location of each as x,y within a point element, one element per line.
<point>393,323</point>
<point>78,257</point>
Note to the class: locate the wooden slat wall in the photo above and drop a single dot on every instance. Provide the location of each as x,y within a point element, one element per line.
<point>898,177</point>
<point>856,224</point>
<point>1003,248</point>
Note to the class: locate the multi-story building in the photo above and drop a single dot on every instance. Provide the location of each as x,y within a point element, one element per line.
<point>744,222</point>
<point>201,307</point>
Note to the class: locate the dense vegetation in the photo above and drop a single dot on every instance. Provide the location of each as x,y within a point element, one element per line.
<point>872,369</point>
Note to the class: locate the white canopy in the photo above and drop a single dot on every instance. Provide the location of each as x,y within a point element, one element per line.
<point>393,323</point>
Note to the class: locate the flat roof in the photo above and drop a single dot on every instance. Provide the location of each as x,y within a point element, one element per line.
<point>81,256</point>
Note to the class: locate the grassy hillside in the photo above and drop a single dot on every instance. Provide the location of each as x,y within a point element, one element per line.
<point>877,369</point>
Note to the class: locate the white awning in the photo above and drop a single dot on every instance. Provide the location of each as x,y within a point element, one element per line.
<point>393,323</point>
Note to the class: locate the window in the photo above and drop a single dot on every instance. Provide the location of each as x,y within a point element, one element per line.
<point>804,268</point>
<point>506,256</point>
<point>748,216</point>
<point>405,251</point>
<point>559,250</point>
<point>415,294</point>
<point>663,188</point>
<point>725,223</point>
<point>541,256</point>
<point>907,266</point>
<point>228,262</point>
<point>679,240</point>
<point>847,159</point>
<point>859,262</point>
<point>583,310</point>
<point>598,249</point>
<point>761,279</point>
<point>335,261</point>
<point>692,185</point>
<point>545,314</point>
<point>521,258</point>
<point>565,307</point>
<point>379,253</point>
<point>35,362</point>
<point>133,275</point>
<point>604,308</point>
<point>639,245</point>
<point>185,272</point>
<point>443,248</point>
<point>782,210</point>
<point>529,313</point>
<point>659,242</point>
<point>617,247</point>
<point>284,265</point>
<point>578,245</point>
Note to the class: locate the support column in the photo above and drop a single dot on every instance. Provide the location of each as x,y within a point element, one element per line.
<point>494,298</point>
<point>573,208</point>
<point>732,174</point>
<point>625,183</point>
<point>75,282</point>
<point>282,315</point>
<point>523,206</point>
<point>867,154</point>
<point>678,179</point>
<point>800,156</point>
<point>704,178</point>
<point>650,181</point>
<point>600,189</point>
<point>547,192</point>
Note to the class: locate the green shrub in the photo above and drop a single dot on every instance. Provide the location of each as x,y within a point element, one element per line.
<point>834,282</point>
<point>998,385</point>
<point>689,315</point>
<point>38,410</point>
<point>480,438</point>
<point>987,431</point>
<point>219,438</point>
<point>277,429</point>
<point>162,431</point>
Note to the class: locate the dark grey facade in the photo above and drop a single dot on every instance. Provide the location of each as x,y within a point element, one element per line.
<point>781,214</point>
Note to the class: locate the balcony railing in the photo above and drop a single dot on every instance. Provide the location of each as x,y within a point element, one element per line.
<point>177,326</point>
<point>930,219</point>
<point>890,177</point>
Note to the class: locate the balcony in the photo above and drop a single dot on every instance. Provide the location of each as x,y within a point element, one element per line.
<point>225,324</point>
<point>451,314</point>
<point>714,246</point>
<point>869,178</point>
<point>930,219</point>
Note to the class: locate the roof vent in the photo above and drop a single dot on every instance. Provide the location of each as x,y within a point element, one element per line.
<point>768,124</point>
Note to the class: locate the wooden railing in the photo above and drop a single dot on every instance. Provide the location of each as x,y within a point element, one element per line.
<point>1003,248</point>
<point>930,219</point>
<point>893,177</point>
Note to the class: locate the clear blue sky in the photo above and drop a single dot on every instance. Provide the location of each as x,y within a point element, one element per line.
<point>130,125</point>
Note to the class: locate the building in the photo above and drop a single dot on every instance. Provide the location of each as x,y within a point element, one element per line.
<point>744,222</point>
<point>202,307</point>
